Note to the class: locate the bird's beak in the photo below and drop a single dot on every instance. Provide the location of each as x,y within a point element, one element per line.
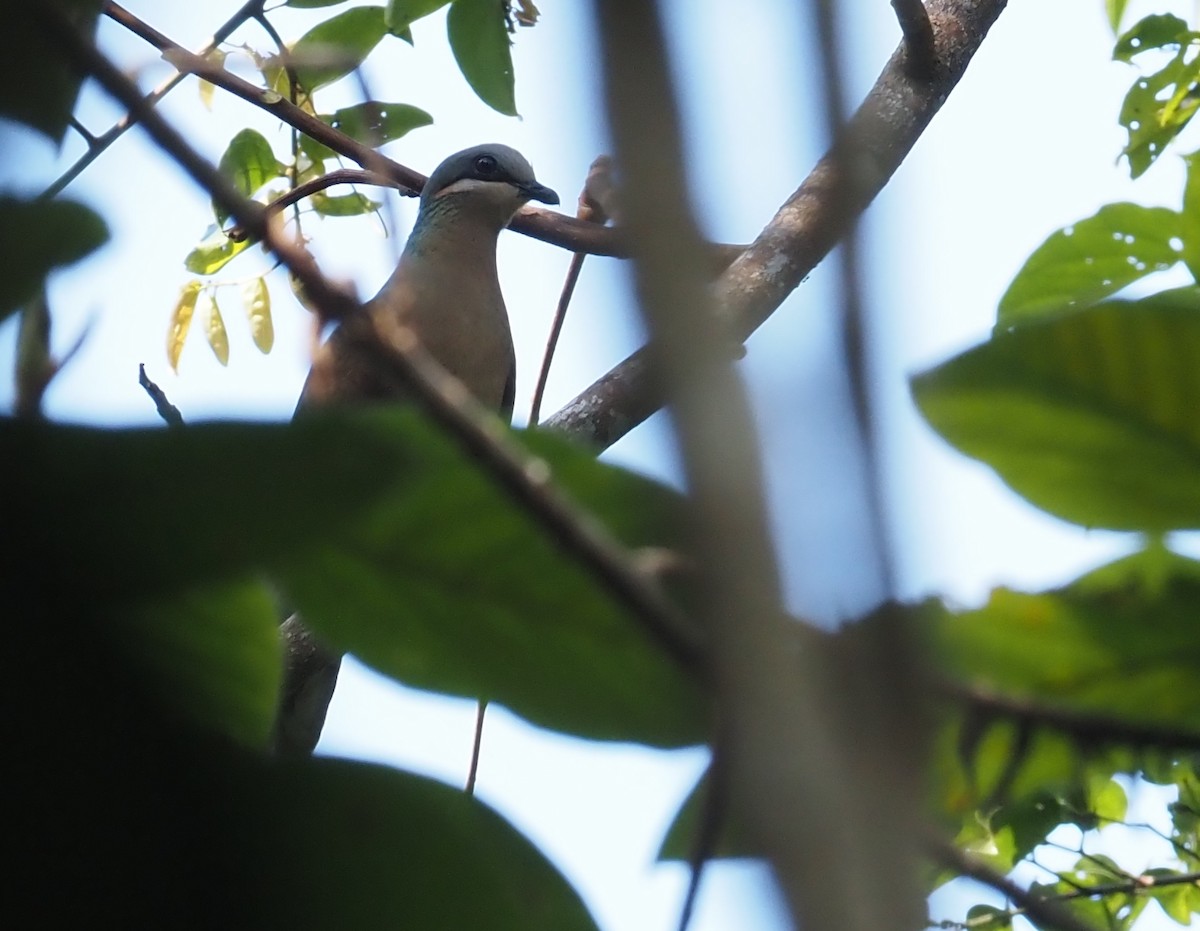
<point>535,191</point>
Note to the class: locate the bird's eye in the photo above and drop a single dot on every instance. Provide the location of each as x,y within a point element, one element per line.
<point>486,165</point>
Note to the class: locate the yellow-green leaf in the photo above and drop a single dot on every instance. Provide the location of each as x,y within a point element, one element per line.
<point>217,57</point>
<point>214,253</point>
<point>257,299</point>
<point>181,321</point>
<point>218,338</point>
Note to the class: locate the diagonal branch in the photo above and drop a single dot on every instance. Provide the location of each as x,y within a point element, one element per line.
<point>811,222</point>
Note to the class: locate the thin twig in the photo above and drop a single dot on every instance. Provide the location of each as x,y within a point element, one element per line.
<point>1043,911</point>
<point>98,144</point>
<point>476,746</point>
<point>308,188</point>
<point>166,410</point>
<point>920,48</point>
<point>526,478</point>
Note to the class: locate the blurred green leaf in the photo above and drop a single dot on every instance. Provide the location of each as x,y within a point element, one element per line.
<point>210,503</point>
<point>332,49</point>
<point>479,39</point>
<point>1156,31</point>
<point>1089,415</point>
<point>249,163</point>
<point>36,238</point>
<point>1090,260</point>
<point>343,205</point>
<point>402,13</point>
<point>1120,643</point>
<point>1115,10</point>
<point>375,122</point>
<point>1177,901</point>
<point>1158,105</point>
<point>452,587</point>
<point>1189,220</point>
<point>38,83</point>
<point>1107,801</point>
<point>988,916</point>
<point>210,653</point>
<point>214,253</point>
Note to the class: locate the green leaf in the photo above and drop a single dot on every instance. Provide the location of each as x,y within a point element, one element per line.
<point>1159,30</point>
<point>249,163</point>
<point>375,122</point>
<point>1089,415</point>
<point>217,251</point>
<point>156,512</point>
<point>36,238</point>
<point>479,39</point>
<point>402,13</point>
<point>212,654</point>
<point>1189,221</point>
<point>1107,801</point>
<point>452,587</point>
<point>311,4</point>
<point>1120,644</point>
<point>679,844</point>
<point>332,49</point>
<point>1159,105</point>
<point>343,205</point>
<point>1115,10</point>
<point>1175,901</point>
<point>38,82</point>
<point>1090,260</point>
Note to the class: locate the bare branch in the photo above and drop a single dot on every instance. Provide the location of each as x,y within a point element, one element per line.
<point>308,188</point>
<point>808,225</point>
<point>97,145</point>
<point>1043,911</point>
<point>166,410</point>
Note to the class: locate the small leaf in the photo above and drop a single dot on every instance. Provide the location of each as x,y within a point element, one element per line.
<point>249,163</point>
<point>214,328</point>
<point>257,300</point>
<point>36,238</point>
<point>1089,260</point>
<point>1115,9</point>
<point>479,40</point>
<point>401,13</point>
<point>1089,415</point>
<point>343,205</point>
<point>217,251</point>
<point>207,89</point>
<point>375,122</point>
<point>181,322</point>
<point>1152,32</point>
<point>332,49</point>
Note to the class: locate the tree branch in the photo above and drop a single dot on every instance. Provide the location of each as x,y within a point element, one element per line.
<point>808,225</point>
<point>920,47</point>
<point>1043,911</point>
<point>97,145</point>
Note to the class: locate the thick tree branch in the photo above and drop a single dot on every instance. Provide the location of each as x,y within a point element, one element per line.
<point>526,478</point>
<point>811,222</point>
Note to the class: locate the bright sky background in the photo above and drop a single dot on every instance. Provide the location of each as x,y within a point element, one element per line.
<point>1026,144</point>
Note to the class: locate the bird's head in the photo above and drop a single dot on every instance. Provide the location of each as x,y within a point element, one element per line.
<point>492,181</point>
